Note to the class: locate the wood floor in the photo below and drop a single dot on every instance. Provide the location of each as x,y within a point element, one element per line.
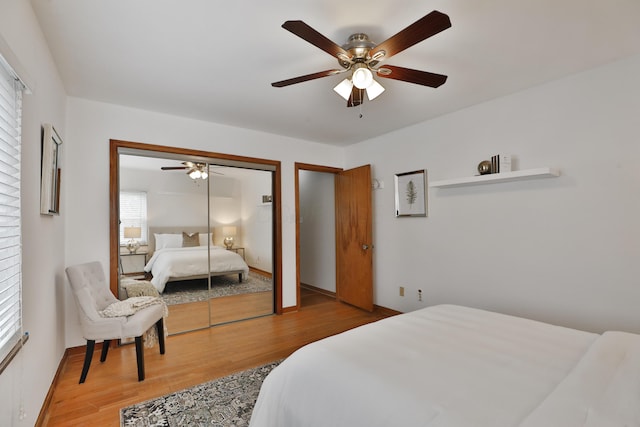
<point>190,359</point>
<point>196,315</point>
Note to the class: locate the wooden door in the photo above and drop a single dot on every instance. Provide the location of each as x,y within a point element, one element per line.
<point>354,258</point>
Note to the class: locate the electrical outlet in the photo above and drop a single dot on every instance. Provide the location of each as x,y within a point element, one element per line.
<point>419,294</point>
<point>401,291</point>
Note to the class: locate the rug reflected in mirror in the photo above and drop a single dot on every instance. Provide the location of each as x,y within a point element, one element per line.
<point>224,402</point>
<point>186,291</point>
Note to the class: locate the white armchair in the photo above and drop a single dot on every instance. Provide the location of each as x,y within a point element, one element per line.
<point>92,295</point>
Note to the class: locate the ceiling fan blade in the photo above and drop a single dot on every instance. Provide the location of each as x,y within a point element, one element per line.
<point>170,168</point>
<point>307,33</point>
<point>420,30</point>
<point>412,76</point>
<point>305,78</point>
<point>356,97</point>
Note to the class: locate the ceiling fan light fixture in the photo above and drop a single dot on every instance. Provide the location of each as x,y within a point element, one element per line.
<point>362,76</point>
<point>361,57</point>
<point>195,174</point>
<point>344,89</point>
<point>374,90</point>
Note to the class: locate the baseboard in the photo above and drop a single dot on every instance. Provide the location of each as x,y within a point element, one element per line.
<point>291,309</point>
<point>262,272</point>
<point>44,410</point>
<point>317,290</point>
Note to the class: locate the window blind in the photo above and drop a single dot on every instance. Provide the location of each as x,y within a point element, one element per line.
<point>10,224</point>
<point>133,213</point>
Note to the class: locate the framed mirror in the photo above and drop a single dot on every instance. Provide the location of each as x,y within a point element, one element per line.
<point>173,206</point>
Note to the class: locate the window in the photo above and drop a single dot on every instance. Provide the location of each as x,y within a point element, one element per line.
<point>133,213</point>
<point>10,218</point>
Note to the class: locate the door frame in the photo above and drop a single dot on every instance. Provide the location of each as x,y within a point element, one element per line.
<point>297,168</point>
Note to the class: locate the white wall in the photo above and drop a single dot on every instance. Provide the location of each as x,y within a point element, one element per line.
<point>562,250</point>
<point>172,200</point>
<point>91,125</point>
<point>226,205</point>
<point>256,228</point>
<point>317,230</point>
<point>26,381</point>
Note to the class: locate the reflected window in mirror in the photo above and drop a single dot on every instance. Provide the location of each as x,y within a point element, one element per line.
<point>133,214</point>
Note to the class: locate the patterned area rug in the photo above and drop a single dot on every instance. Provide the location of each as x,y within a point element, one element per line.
<point>196,290</point>
<point>225,402</point>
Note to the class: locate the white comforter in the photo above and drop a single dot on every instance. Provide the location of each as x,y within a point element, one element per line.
<point>192,261</point>
<point>449,366</point>
<point>603,389</point>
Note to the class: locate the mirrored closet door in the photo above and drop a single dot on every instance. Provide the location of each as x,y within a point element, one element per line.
<point>197,230</point>
<point>240,209</point>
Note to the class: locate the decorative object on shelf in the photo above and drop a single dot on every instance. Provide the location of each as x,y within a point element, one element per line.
<point>229,233</point>
<point>501,163</point>
<point>484,167</point>
<point>411,193</point>
<point>50,172</point>
<point>498,177</point>
<point>504,162</point>
<point>132,233</point>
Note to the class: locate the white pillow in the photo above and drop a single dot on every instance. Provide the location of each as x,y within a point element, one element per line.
<point>164,241</point>
<point>205,238</point>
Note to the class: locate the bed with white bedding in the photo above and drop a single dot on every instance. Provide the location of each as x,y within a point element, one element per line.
<point>449,366</point>
<point>170,264</point>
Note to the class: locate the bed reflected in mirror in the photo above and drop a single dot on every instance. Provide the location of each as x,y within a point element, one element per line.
<point>172,229</point>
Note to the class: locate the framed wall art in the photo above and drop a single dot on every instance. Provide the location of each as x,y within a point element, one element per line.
<point>50,171</point>
<point>411,193</point>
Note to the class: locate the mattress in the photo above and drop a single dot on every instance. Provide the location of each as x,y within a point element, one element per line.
<point>440,366</point>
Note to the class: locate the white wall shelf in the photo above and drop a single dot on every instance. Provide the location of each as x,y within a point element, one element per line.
<point>497,177</point>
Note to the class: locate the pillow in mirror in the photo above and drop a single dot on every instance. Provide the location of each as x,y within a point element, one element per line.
<point>205,238</point>
<point>190,239</point>
<point>168,240</point>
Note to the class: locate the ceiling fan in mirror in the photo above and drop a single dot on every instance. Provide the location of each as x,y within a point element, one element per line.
<point>195,170</point>
<point>362,58</point>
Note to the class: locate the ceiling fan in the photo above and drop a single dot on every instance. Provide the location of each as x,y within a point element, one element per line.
<point>195,170</point>
<point>361,56</point>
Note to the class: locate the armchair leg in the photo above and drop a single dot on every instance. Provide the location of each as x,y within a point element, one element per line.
<point>87,360</point>
<point>105,349</point>
<point>160,329</point>
<point>140,358</point>
<point>239,277</point>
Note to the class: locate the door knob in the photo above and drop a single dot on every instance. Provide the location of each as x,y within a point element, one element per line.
<point>365,247</point>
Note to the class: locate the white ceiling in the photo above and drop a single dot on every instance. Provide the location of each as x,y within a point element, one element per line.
<point>214,60</point>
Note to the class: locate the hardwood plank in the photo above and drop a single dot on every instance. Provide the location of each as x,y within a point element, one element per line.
<point>238,307</point>
<point>191,358</point>
<point>188,317</point>
<point>195,315</point>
